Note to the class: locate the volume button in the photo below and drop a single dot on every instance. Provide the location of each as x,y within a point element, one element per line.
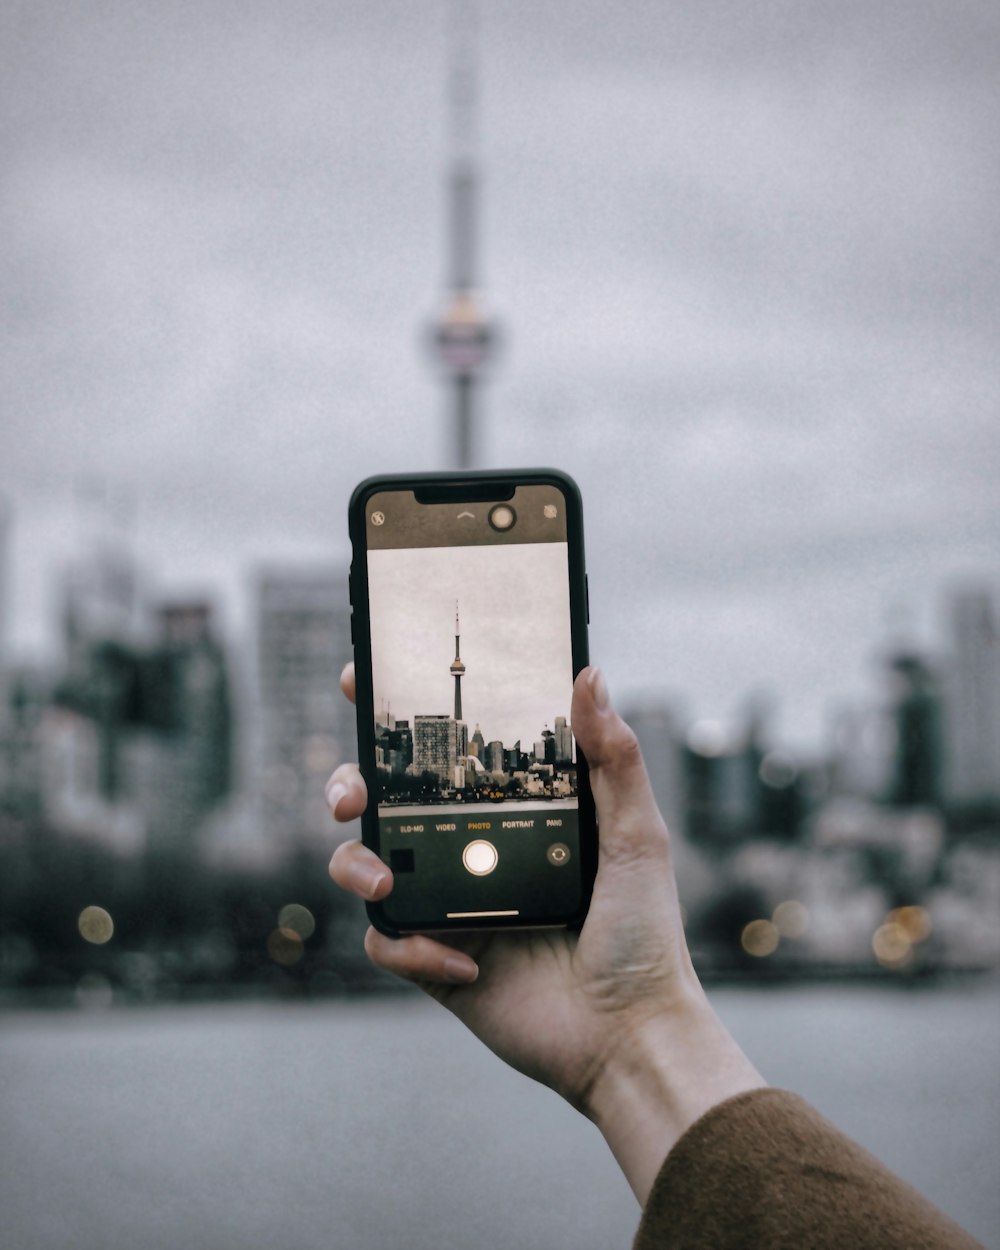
<point>586,591</point>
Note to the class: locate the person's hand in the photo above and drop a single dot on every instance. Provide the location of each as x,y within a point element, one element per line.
<point>613,1018</point>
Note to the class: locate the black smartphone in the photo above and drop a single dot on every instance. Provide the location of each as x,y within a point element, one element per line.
<point>469,599</point>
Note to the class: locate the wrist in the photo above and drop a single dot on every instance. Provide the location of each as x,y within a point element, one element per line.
<point>662,1076</point>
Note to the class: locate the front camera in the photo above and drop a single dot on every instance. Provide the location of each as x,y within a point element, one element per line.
<point>502,517</point>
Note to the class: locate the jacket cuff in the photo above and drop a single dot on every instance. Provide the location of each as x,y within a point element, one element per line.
<point>765,1169</point>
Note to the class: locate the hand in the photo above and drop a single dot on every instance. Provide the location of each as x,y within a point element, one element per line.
<point>612,1018</point>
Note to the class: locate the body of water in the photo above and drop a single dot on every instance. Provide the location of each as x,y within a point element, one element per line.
<point>369,1125</point>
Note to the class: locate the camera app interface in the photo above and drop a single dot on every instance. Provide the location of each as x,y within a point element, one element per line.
<point>472,679</point>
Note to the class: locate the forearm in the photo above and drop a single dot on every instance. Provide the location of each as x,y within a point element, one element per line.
<point>661,1079</point>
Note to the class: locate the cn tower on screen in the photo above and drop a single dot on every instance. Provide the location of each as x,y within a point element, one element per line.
<point>457,671</point>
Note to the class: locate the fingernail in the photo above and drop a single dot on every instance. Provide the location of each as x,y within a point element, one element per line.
<point>461,969</point>
<point>599,690</point>
<point>366,879</point>
<point>334,794</point>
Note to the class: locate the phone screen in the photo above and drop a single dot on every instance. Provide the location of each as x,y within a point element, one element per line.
<point>472,670</point>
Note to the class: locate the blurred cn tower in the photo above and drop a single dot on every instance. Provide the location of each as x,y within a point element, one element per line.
<point>463,338</point>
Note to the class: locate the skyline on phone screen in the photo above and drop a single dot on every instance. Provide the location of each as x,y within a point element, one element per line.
<point>514,620</point>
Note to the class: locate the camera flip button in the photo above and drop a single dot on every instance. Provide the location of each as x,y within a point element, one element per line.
<point>480,857</point>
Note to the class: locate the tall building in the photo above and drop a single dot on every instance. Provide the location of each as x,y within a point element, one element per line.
<point>436,747</point>
<point>396,744</point>
<point>306,727</point>
<point>495,757</point>
<point>514,758</point>
<point>140,736</point>
<point>22,712</point>
<point>4,623</point>
<point>179,750</point>
<point>972,702</point>
<point>564,741</point>
<point>916,775</point>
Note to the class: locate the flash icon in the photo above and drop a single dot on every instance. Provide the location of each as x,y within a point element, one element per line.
<point>551,511</point>
<point>378,518</point>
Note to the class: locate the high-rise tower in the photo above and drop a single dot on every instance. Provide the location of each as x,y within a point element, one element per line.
<point>457,671</point>
<point>304,728</point>
<point>973,700</point>
<point>464,336</point>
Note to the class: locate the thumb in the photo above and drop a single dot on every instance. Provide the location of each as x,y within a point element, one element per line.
<point>630,824</point>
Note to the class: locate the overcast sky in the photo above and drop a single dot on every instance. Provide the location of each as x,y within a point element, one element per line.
<point>744,258</point>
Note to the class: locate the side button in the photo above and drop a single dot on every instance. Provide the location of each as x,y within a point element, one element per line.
<point>586,591</point>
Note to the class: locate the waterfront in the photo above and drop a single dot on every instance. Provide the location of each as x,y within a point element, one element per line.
<point>449,809</point>
<point>370,1124</point>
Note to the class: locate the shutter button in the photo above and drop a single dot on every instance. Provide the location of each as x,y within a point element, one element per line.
<point>480,857</point>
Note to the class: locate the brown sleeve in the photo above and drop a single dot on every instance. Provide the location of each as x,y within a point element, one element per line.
<point>766,1170</point>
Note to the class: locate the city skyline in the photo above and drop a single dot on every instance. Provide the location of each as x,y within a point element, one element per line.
<point>384,717</point>
<point>853,694</point>
<point>518,673</point>
<point>98,756</point>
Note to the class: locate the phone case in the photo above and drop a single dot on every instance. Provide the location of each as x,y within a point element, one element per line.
<point>437,845</point>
